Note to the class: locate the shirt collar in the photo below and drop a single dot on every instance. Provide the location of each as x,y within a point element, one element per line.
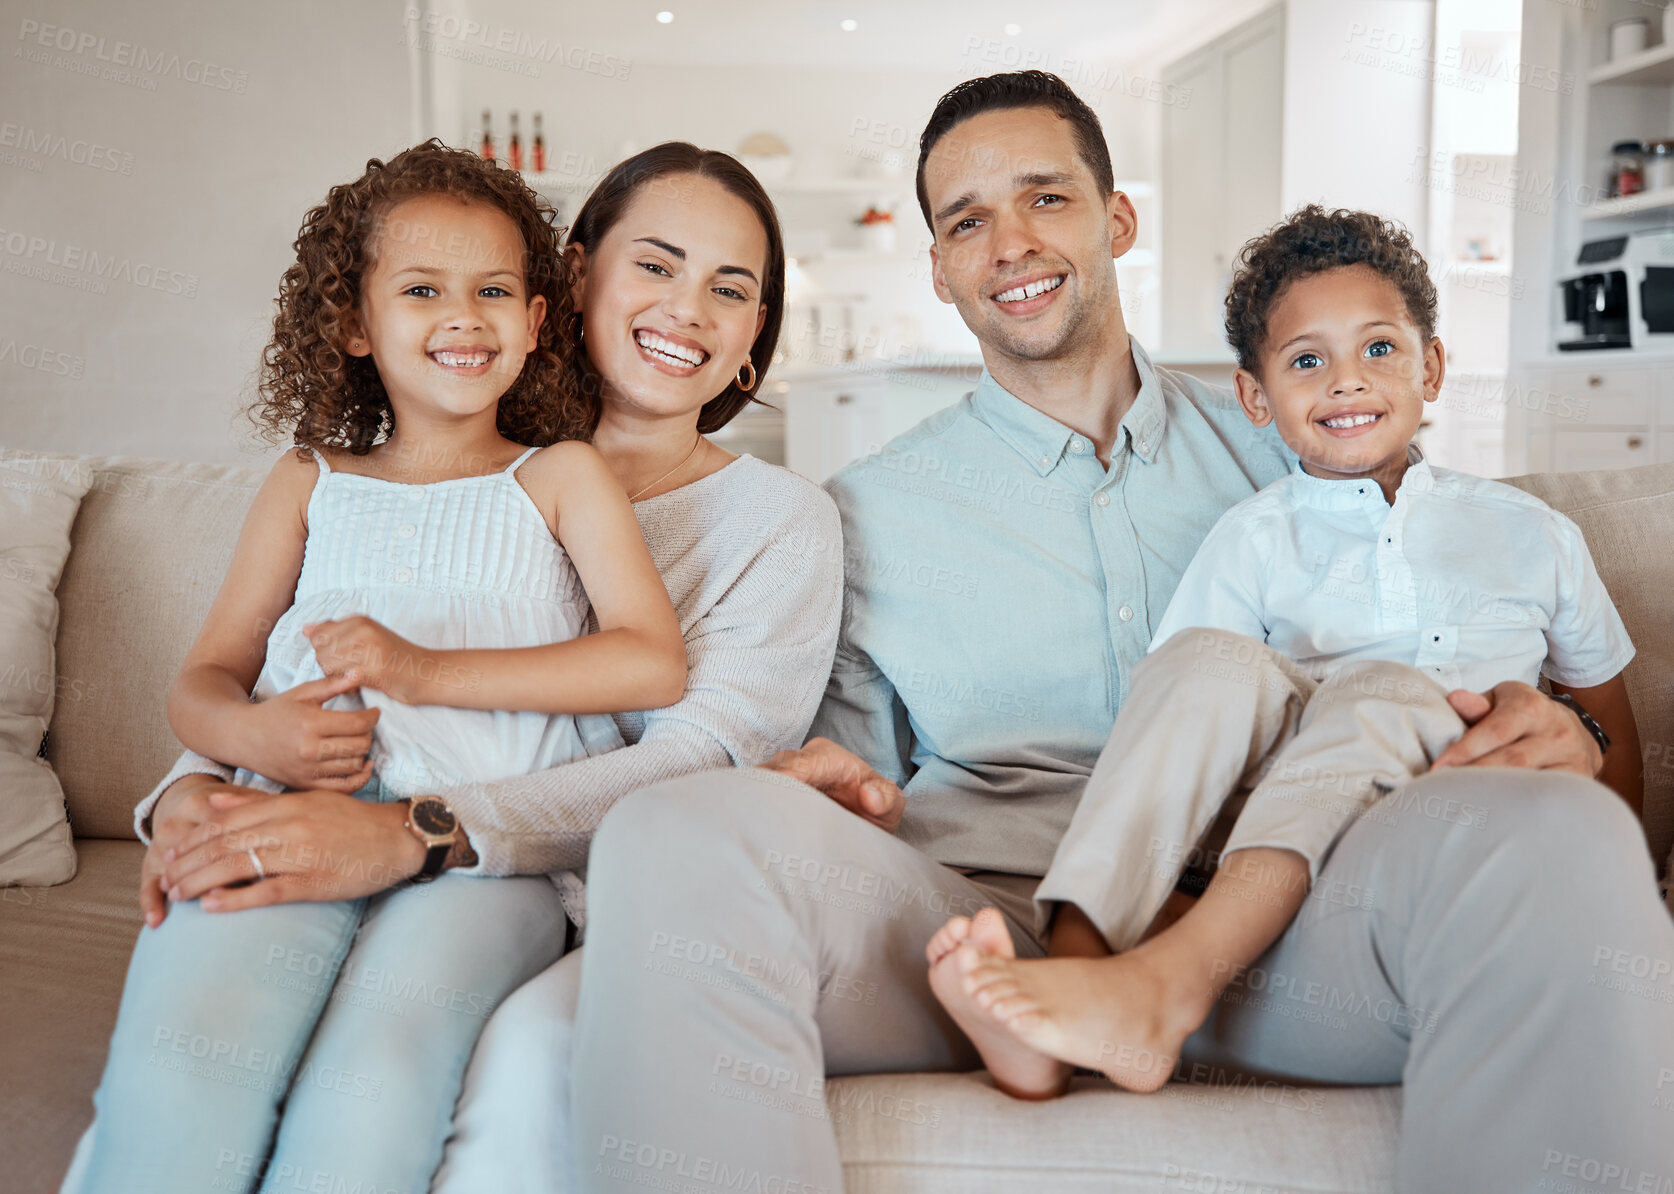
<point>1042,440</point>
<point>1353,492</point>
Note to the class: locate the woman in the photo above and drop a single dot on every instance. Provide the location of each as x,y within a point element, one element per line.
<point>680,291</point>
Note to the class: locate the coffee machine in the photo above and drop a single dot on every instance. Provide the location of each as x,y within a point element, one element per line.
<point>1620,294</point>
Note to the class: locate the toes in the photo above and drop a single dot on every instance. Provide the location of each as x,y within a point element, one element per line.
<point>1025,1021</point>
<point>947,938</point>
<point>988,933</point>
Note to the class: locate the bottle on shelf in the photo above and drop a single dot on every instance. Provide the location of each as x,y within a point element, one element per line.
<point>514,146</point>
<point>487,147</point>
<point>537,148</point>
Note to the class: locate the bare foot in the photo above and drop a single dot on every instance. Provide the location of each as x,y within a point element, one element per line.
<point>947,939</point>
<point>1126,1015</point>
<point>1016,1068</point>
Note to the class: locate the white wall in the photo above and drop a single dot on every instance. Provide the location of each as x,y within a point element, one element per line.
<point>211,181</point>
<point>1357,105</point>
<point>210,185</point>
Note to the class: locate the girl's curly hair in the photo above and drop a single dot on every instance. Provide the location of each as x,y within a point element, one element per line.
<point>320,396</point>
<point>1309,241</point>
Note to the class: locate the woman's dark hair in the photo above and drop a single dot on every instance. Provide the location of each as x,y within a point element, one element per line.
<point>1309,241</point>
<point>610,200</point>
<point>321,396</point>
<point>1017,89</point>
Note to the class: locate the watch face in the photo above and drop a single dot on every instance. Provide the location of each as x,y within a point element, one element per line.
<point>433,818</point>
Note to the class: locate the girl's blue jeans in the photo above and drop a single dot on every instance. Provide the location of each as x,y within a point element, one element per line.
<point>310,1046</point>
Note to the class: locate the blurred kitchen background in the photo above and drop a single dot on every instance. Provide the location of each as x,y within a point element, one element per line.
<point>155,161</point>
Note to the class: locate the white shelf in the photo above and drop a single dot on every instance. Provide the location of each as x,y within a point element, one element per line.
<point>1631,205</point>
<point>1652,66</point>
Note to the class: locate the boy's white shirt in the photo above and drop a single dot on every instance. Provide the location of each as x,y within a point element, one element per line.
<point>1469,580</point>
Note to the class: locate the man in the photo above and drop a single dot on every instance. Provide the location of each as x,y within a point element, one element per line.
<point>1006,562</point>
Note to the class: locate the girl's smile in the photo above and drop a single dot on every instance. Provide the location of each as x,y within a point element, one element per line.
<point>445,307</point>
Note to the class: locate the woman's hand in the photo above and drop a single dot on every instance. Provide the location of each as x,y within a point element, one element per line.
<point>180,810</point>
<point>293,739</point>
<point>373,656</point>
<point>313,846</point>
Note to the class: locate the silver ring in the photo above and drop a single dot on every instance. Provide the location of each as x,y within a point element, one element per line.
<point>261,873</point>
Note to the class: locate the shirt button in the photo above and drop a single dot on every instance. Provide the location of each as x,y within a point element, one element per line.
<point>407,531</point>
<point>1103,498</point>
<point>1125,613</point>
<point>1078,446</point>
<point>1045,460</point>
<point>1144,447</point>
<point>403,575</point>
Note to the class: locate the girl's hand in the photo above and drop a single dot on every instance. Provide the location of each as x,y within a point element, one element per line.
<point>293,739</point>
<point>374,656</point>
<point>180,810</point>
<point>313,846</point>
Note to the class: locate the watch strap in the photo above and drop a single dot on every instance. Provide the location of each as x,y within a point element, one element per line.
<point>435,858</point>
<point>1587,723</point>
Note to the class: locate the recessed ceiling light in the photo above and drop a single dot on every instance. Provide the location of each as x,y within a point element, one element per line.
<point>664,17</point>
<point>850,25</point>
<point>1013,30</point>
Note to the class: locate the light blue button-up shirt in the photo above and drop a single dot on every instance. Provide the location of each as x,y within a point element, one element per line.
<point>1000,585</point>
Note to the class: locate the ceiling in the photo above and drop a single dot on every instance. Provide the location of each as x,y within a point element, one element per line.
<point>967,36</point>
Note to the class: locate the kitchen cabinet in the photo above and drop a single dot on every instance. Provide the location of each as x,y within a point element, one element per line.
<point>1221,169</point>
<point>835,416</point>
<point>1598,414</point>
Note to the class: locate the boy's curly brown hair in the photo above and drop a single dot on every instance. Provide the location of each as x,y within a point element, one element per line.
<point>320,396</point>
<point>1309,241</point>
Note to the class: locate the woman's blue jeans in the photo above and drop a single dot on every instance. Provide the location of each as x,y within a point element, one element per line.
<point>310,1046</point>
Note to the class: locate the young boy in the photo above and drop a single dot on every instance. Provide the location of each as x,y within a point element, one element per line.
<point>1308,654</point>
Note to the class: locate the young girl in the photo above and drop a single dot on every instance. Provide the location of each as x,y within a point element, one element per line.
<point>420,559</point>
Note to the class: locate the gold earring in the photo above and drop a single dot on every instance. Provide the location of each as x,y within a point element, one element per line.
<point>749,366</point>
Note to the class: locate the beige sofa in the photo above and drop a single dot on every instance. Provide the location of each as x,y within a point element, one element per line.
<point>149,547</point>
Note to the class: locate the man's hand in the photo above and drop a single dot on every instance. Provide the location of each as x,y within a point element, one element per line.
<point>313,846</point>
<point>294,739</point>
<point>183,807</point>
<point>846,778</point>
<point>1515,725</point>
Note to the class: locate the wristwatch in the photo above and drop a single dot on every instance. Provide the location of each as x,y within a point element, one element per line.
<point>1592,727</point>
<point>431,821</point>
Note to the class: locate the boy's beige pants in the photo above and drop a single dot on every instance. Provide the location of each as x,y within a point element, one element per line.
<point>1211,714</point>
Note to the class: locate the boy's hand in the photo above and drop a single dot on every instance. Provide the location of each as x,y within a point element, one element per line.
<point>292,738</point>
<point>1516,725</point>
<point>372,654</point>
<point>846,778</point>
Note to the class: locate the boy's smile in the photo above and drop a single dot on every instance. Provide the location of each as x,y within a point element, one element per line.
<point>1345,374</point>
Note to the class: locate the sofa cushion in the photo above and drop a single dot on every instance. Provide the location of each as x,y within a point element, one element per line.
<point>1627,516</point>
<point>955,1133</point>
<point>39,496</point>
<point>64,953</point>
<point>148,554</point>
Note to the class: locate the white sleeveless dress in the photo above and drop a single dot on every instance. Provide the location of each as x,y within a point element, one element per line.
<point>465,563</point>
